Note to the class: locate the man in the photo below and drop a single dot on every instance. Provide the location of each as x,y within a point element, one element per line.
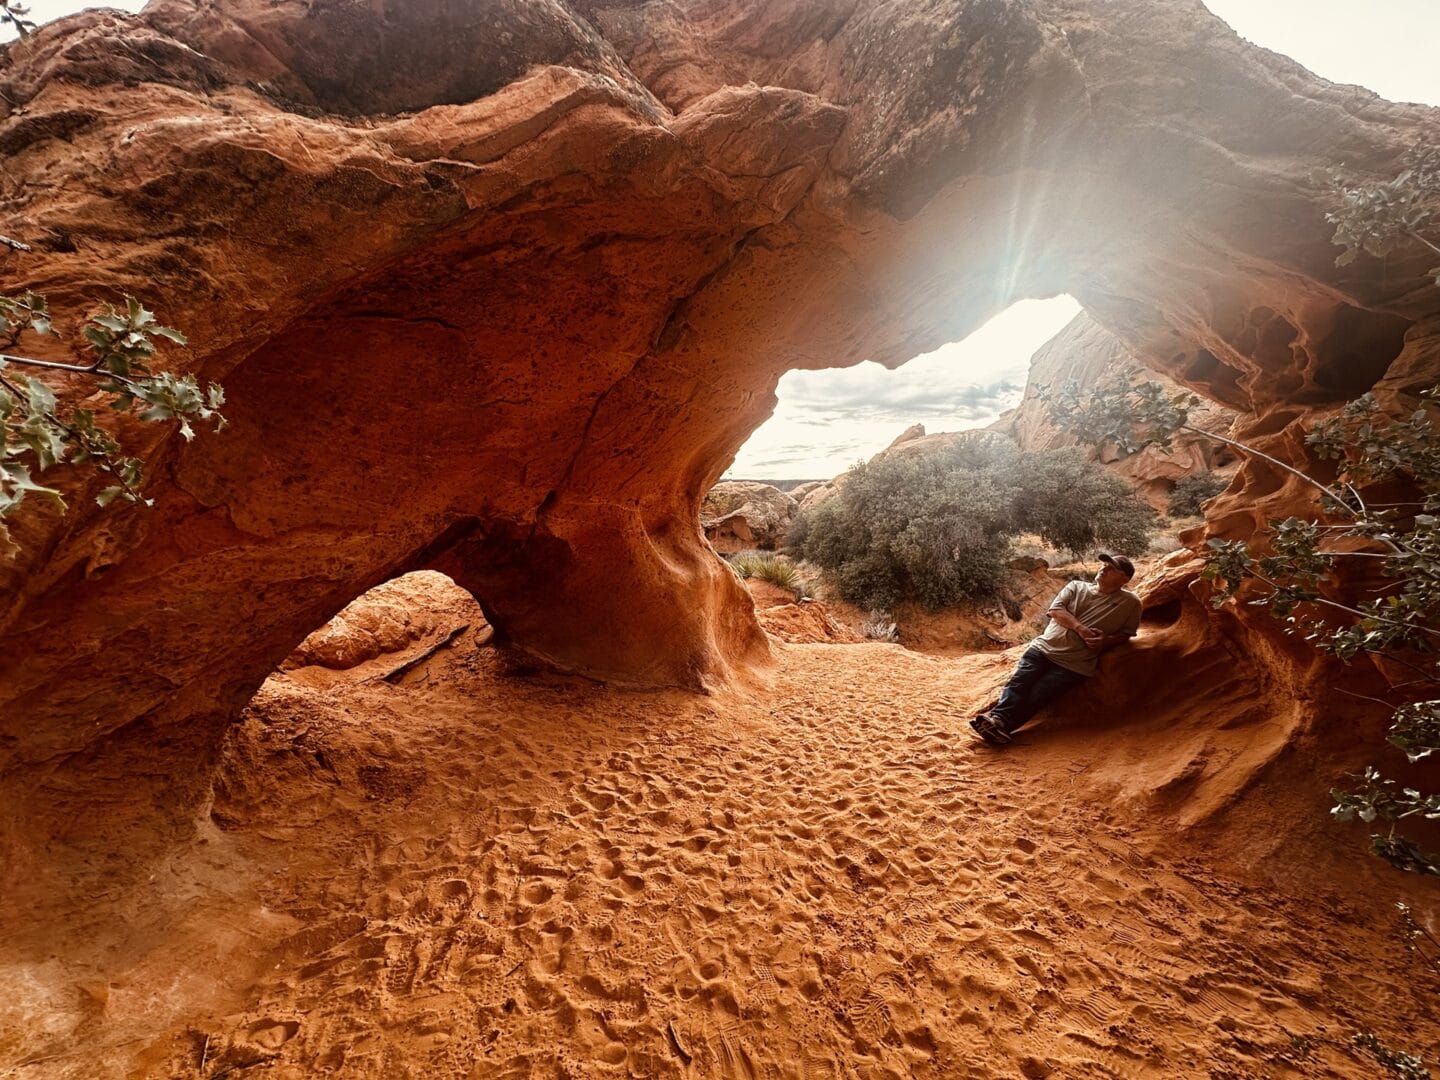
<point>1085,620</point>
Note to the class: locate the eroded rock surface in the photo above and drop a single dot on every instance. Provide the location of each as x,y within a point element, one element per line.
<point>1086,353</point>
<point>501,289</point>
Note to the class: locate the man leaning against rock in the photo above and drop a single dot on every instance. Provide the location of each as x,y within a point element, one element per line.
<point>1085,619</point>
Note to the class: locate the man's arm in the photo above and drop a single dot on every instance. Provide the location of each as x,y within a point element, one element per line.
<point>1061,613</point>
<point>1117,638</point>
<point>1126,632</point>
<point>1065,618</point>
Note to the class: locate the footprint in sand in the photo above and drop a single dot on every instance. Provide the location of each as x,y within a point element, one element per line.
<point>729,1054</point>
<point>767,990</point>
<point>444,904</point>
<point>1134,945</point>
<point>271,1034</point>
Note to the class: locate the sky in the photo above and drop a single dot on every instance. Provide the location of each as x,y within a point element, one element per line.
<point>827,420</point>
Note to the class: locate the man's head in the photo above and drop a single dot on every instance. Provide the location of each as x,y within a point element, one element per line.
<point>1115,572</point>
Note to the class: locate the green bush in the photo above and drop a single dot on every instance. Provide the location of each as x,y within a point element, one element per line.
<point>1190,493</point>
<point>936,528</point>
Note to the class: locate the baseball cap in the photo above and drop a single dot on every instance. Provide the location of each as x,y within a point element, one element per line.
<point>1120,562</point>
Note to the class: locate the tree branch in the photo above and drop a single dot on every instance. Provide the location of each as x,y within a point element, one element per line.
<point>1344,607</point>
<point>79,369</point>
<point>1422,240</point>
<point>1394,548</point>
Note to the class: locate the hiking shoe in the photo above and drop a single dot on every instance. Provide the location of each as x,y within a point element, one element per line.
<point>990,731</point>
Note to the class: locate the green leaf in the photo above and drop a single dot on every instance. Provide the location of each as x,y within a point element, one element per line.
<point>42,398</point>
<point>18,477</point>
<point>44,439</point>
<point>106,497</point>
<point>158,411</point>
<point>170,334</point>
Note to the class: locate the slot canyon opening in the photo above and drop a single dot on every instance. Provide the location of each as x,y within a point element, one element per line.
<point>401,634</point>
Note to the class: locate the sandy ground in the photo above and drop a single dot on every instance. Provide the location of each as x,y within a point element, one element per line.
<point>477,872</point>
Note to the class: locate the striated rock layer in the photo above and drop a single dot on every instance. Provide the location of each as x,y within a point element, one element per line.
<point>500,289</point>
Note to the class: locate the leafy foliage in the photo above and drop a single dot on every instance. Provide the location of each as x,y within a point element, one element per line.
<point>1396,1062</point>
<point>1295,565</point>
<point>1414,934</point>
<point>937,527</point>
<point>35,437</point>
<point>880,626</point>
<point>1374,217</point>
<point>1190,493</point>
<point>17,14</point>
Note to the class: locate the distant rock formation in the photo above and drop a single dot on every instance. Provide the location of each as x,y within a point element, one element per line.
<point>502,296</point>
<point>914,431</point>
<point>1088,354</point>
<point>745,515</point>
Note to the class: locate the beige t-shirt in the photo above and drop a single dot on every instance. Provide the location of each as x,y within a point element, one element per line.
<point>1117,612</point>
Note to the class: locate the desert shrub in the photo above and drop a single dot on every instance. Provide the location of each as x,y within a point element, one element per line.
<point>1070,501</point>
<point>936,528</point>
<point>772,568</point>
<point>879,626</point>
<point>1190,492</point>
<point>795,535</point>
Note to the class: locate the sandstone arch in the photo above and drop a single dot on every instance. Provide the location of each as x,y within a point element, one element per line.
<point>501,290</point>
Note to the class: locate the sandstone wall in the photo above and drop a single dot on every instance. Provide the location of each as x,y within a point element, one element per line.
<point>1086,353</point>
<point>500,289</point>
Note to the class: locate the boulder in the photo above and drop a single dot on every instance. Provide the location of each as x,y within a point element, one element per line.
<point>387,619</point>
<point>745,515</point>
<point>914,431</point>
<point>799,491</point>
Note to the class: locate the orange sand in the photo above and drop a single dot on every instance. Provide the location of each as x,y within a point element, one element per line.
<point>476,873</point>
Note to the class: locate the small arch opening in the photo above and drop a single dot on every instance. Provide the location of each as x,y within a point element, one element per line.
<point>393,625</point>
<point>830,418</point>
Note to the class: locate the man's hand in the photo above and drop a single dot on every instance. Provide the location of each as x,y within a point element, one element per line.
<point>1088,634</point>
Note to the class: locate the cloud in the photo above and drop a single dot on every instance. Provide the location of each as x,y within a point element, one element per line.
<point>902,399</point>
<point>827,420</point>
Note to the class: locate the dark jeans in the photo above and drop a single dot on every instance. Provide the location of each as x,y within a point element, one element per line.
<point>1037,681</point>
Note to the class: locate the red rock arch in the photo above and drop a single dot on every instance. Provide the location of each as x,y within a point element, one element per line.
<point>502,288</point>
